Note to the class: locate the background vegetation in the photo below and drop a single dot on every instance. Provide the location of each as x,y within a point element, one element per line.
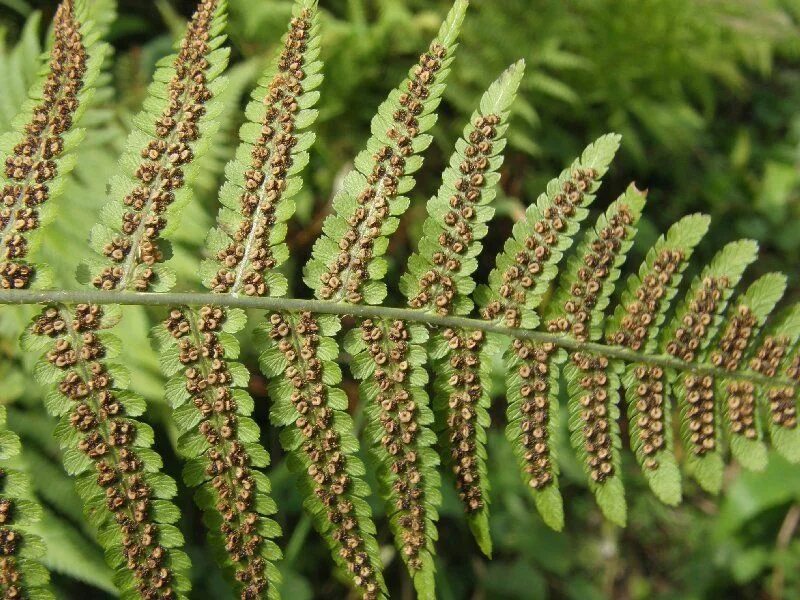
<point>707,96</point>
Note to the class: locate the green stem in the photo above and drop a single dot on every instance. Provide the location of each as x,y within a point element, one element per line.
<point>368,311</point>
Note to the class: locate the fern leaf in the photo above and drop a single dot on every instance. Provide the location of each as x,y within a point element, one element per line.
<point>211,408</point>
<point>522,274</point>
<point>125,496</point>
<point>439,280</point>
<point>635,325</point>
<point>779,403</point>
<point>689,332</point>
<point>347,262</point>
<point>528,263</point>
<point>383,171</point>
<point>158,167</point>
<point>36,156</point>
<point>257,199</point>
<point>21,573</point>
<point>578,309</point>
<point>737,398</point>
<point>318,435</point>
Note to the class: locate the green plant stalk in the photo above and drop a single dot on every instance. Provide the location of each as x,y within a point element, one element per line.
<point>366,311</point>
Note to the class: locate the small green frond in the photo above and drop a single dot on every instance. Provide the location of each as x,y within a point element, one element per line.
<point>774,357</point>
<point>317,434</point>
<point>39,152</point>
<point>157,170</point>
<point>347,262</point>
<point>220,443</point>
<point>736,399</point>
<point>577,309</point>
<point>439,280</point>
<point>439,275</point>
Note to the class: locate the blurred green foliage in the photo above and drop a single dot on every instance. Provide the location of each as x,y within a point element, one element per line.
<point>707,96</point>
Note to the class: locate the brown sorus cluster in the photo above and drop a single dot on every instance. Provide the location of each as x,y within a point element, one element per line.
<point>249,255</point>
<point>388,344</point>
<point>32,166</point>
<point>160,174</point>
<point>347,273</point>
<point>597,265</point>
<point>534,370</point>
<point>597,422</point>
<point>209,385</point>
<point>649,406</point>
<point>462,417</point>
<point>11,578</point>
<point>530,262</point>
<point>297,337</point>
<point>437,288</point>
<point>728,355</point>
<point>686,341</point>
<point>767,361</point>
<point>640,313</point>
<point>108,439</point>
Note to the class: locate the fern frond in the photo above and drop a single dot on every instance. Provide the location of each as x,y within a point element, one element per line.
<point>737,398</point>
<point>439,280</point>
<point>22,575</point>
<point>318,435</point>
<point>691,329</point>
<point>257,198</point>
<point>516,287</point>
<point>125,496</point>
<point>527,265</point>
<point>36,156</point>
<point>774,356</point>
<point>347,262</point>
<point>211,407</point>
<point>635,324</point>
<point>158,167</point>
<point>577,309</point>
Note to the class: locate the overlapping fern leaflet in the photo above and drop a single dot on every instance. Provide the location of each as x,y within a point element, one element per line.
<point>22,575</point>
<point>206,388</point>
<point>125,495</point>
<point>774,357</point>
<point>516,287</point>
<point>37,155</point>
<point>635,325</point>
<point>688,334</point>
<point>736,400</point>
<point>438,280</point>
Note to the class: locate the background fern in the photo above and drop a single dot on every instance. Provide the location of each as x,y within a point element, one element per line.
<point>395,36</point>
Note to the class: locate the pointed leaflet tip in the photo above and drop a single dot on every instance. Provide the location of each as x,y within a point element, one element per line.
<point>451,27</point>
<point>501,93</point>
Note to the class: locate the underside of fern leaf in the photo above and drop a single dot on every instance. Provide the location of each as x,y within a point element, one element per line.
<point>636,323</point>
<point>688,334</point>
<point>211,407</point>
<point>37,155</point>
<point>22,575</point>
<point>516,287</point>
